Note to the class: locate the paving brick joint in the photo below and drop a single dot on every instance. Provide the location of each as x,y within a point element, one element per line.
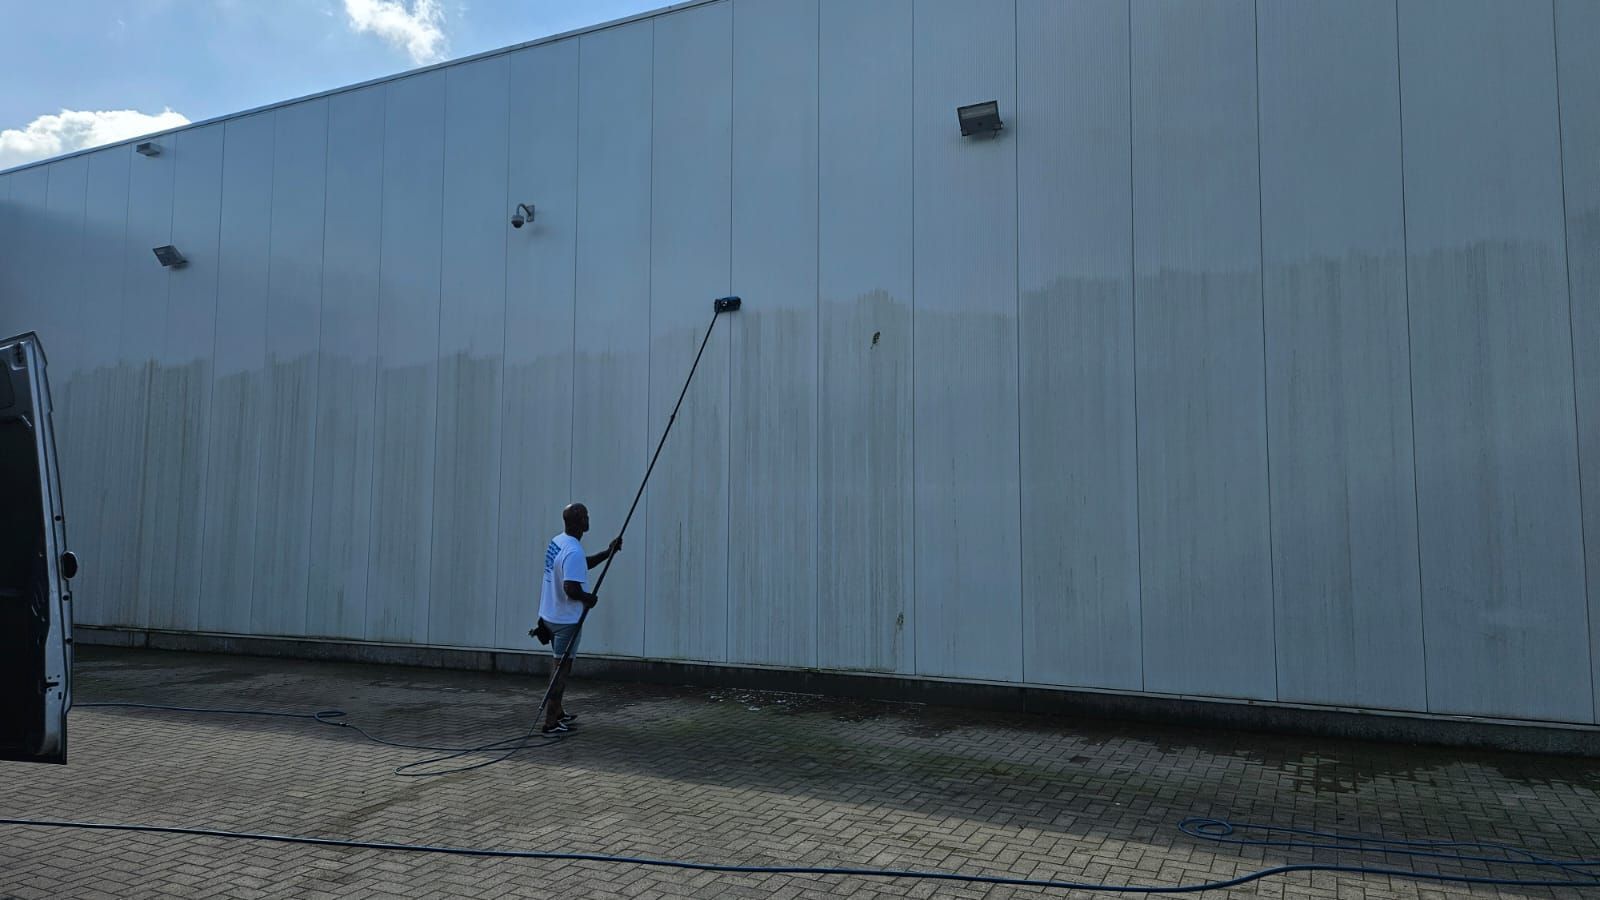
<point>718,775</point>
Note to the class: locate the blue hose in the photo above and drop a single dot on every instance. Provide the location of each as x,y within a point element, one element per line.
<point>1198,827</point>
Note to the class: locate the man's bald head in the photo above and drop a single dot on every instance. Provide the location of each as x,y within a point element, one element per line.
<point>576,519</point>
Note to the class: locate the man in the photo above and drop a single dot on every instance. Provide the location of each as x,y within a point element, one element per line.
<point>563,597</point>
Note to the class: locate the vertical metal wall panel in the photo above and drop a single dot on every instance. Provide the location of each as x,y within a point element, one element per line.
<point>176,435</point>
<point>969,606</point>
<point>1497,471</point>
<point>294,329</point>
<point>1349,607</point>
<point>472,324</point>
<point>144,311</point>
<point>1205,561</point>
<point>68,337</point>
<point>865,528</point>
<point>687,617</point>
<point>13,314</point>
<point>90,402</point>
<point>609,441</point>
<point>536,431</point>
<point>1080,500</point>
<point>239,375</point>
<point>61,282</point>
<point>1578,55</point>
<point>347,358</point>
<point>772,460</point>
<point>33,238</point>
<point>29,242</point>
<point>408,347</point>
<point>9,296</point>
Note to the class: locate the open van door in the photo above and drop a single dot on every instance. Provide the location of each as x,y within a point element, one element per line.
<point>35,606</point>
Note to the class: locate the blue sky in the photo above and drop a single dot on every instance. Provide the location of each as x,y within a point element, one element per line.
<point>76,73</point>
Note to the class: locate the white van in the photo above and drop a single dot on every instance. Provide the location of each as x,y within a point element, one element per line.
<point>35,564</point>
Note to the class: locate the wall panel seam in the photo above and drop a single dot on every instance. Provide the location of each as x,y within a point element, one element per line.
<point>1411,381</point>
<point>1572,338</point>
<point>1266,405</point>
<point>316,387</point>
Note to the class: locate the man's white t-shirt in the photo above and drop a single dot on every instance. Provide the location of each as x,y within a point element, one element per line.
<point>563,562</point>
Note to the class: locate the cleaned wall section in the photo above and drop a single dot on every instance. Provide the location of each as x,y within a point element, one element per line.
<point>347,357</point>
<point>610,440</point>
<point>294,329</point>
<point>866,606</point>
<point>1080,514</point>
<point>400,560</point>
<point>144,310</point>
<point>1491,353</point>
<point>1254,358</point>
<point>690,242</point>
<point>772,456</point>
<point>1205,560</point>
<point>1344,523</point>
<point>175,462</point>
<point>536,455</point>
<point>969,603</point>
<point>59,230</point>
<point>1577,28</point>
<point>472,335</point>
<point>238,389</point>
<point>87,406</point>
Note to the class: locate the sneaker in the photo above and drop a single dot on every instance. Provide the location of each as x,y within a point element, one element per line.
<point>567,717</point>
<point>557,728</point>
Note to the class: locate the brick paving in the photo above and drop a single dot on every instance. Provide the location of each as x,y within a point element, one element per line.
<point>714,775</point>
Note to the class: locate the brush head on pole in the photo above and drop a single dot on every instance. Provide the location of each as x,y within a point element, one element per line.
<point>728,304</point>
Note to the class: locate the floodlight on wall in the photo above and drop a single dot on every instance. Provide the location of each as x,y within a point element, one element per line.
<point>170,258</point>
<point>518,218</point>
<point>147,148</point>
<point>980,118</point>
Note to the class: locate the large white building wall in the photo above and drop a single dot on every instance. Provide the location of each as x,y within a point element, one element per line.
<point>1255,358</point>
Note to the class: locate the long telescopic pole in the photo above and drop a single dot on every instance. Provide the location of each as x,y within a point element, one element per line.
<point>726,304</point>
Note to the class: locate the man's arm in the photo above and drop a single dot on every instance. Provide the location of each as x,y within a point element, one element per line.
<point>603,555</point>
<point>577,594</point>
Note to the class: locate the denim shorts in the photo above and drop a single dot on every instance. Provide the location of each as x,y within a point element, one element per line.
<point>564,635</point>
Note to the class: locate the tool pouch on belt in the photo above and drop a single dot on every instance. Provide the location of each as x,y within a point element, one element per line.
<point>542,632</point>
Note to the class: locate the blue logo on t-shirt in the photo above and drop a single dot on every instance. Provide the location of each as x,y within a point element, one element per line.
<point>550,554</point>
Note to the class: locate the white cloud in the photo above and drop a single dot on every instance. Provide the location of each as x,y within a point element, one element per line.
<point>72,130</point>
<point>414,25</point>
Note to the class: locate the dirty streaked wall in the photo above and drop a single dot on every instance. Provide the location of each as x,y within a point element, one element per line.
<point>1258,356</point>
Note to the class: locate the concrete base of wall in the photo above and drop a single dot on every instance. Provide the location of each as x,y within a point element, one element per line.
<point>1393,727</point>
